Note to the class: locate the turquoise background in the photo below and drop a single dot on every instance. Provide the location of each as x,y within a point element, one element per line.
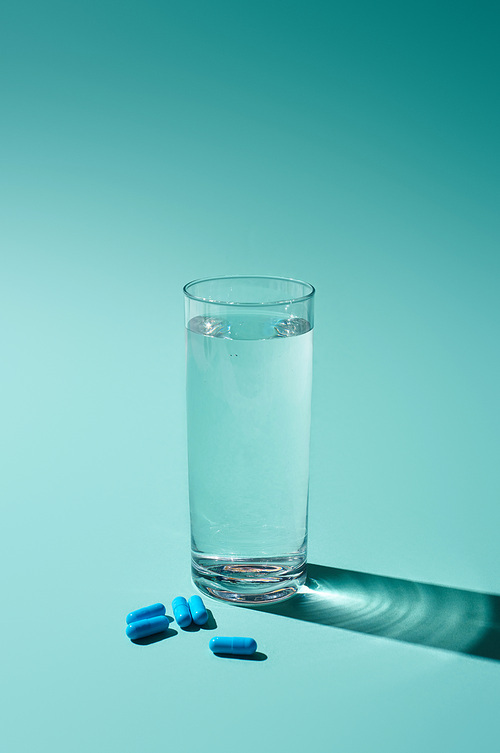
<point>144,144</point>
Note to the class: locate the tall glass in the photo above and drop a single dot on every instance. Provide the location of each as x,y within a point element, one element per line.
<point>249,373</point>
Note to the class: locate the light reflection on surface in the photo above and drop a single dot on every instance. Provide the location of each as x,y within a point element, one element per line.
<point>436,616</point>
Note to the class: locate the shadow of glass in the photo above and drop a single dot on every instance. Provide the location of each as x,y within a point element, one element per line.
<point>467,622</point>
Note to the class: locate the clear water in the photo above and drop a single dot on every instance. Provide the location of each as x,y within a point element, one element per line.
<point>249,410</point>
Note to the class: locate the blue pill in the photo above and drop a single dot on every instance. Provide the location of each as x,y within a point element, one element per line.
<point>198,611</point>
<point>143,628</point>
<point>155,610</point>
<point>181,611</point>
<point>241,646</point>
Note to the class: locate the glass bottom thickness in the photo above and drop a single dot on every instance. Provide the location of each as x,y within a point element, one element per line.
<point>247,581</point>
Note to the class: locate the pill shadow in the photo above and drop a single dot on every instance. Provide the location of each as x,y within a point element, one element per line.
<point>147,640</point>
<point>210,624</point>
<point>258,656</point>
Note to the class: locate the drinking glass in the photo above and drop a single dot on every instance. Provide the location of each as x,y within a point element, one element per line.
<point>249,373</point>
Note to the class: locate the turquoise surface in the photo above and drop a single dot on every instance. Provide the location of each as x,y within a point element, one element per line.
<point>354,146</point>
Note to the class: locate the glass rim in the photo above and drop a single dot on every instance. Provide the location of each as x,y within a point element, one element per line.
<point>297,299</point>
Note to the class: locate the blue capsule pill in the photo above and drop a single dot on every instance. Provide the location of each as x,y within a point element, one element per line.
<point>198,611</point>
<point>181,611</point>
<point>143,628</point>
<point>242,646</point>
<point>155,610</point>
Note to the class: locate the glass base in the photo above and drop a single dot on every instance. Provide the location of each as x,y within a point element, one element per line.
<point>260,580</point>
